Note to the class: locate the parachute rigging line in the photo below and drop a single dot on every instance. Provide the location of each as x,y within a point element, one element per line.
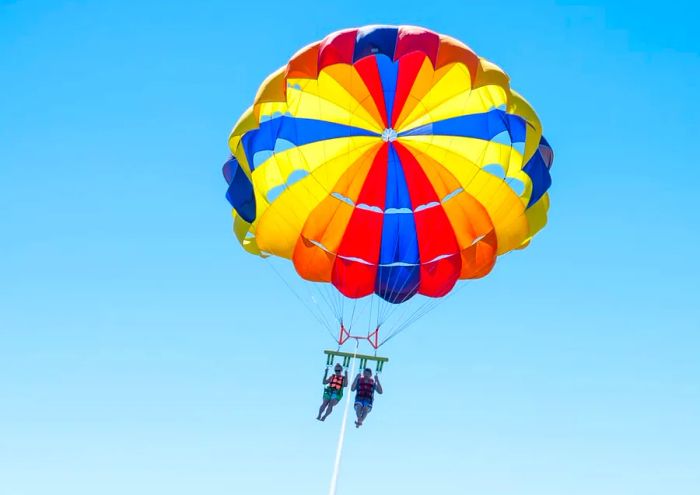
<point>323,322</point>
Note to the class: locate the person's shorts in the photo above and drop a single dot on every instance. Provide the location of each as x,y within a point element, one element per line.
<point>332,394</point>
<point>363,402</point>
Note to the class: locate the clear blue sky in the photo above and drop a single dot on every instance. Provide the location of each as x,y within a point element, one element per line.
<point>143,352</point>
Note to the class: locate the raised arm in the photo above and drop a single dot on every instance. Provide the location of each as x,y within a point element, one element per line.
<point>345,379</point>
<point>326,380</point>
<point>354,383</point>
<point>379,388</point>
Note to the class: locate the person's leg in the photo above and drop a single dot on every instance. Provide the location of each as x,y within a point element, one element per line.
<point>329,410</point>
<point>323,406</point>
<point>358,412</point>
<point>363,413</point>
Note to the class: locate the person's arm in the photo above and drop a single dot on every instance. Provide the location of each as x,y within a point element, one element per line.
<point>354,384</point>
<point>325,377</point>
<point>345,379</point>
<point>380,390</point>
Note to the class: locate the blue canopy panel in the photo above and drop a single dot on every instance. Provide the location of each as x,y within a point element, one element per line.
<point>294,131</point>
<point>388,73</point>
<point>484,126</point>
<point>240,190</point>
<point>537,168</point>
<point>398,275</point>
<point>374,40</point>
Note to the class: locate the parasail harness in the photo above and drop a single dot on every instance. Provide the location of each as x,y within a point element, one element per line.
<point>347,357</point>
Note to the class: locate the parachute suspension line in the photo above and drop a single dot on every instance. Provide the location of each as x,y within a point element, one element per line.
<point>327,297</point>
<point>343,426</point>
<point>322,293</point>
<point>324,314</point>
<point>319,315</point>
<point>396,288</point>
<point>322,321</point>
<point>388,309</point>
<point>382,306</point>
<point>338,298</point>
<point>342,303</point>
<point>419,313</point>
<point>427,307</point>
<point>352,315</point>
<point>423,310</point>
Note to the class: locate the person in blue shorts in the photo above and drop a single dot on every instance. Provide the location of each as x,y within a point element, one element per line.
<point>365,386</point>
<point>333,392</point>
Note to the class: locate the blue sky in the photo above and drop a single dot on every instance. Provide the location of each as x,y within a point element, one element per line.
<point>142,351</point>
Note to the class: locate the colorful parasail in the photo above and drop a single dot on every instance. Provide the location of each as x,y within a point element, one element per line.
<point>388,160</point>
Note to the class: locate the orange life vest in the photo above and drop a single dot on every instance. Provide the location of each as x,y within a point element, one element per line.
<point>336,382</point>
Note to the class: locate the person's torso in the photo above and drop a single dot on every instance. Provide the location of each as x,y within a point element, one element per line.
<point>365,388</point>
<point>336,382</point>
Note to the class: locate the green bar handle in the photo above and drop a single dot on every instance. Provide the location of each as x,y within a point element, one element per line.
<point>350,355</point>
<point>364,358</point>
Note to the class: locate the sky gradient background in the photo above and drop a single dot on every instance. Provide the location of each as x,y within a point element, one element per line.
<point>143,352</point>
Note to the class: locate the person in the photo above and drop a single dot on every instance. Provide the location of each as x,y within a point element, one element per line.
<point>365,386</point>
<point>333,392</point>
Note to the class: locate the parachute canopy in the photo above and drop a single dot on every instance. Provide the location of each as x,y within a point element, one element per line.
<point>388,160</point>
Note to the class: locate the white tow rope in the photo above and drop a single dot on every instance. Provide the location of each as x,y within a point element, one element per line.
<point>341,437</point>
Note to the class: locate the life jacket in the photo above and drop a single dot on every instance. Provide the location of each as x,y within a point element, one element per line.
<point>365,388</point>
<point>336,382</point>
